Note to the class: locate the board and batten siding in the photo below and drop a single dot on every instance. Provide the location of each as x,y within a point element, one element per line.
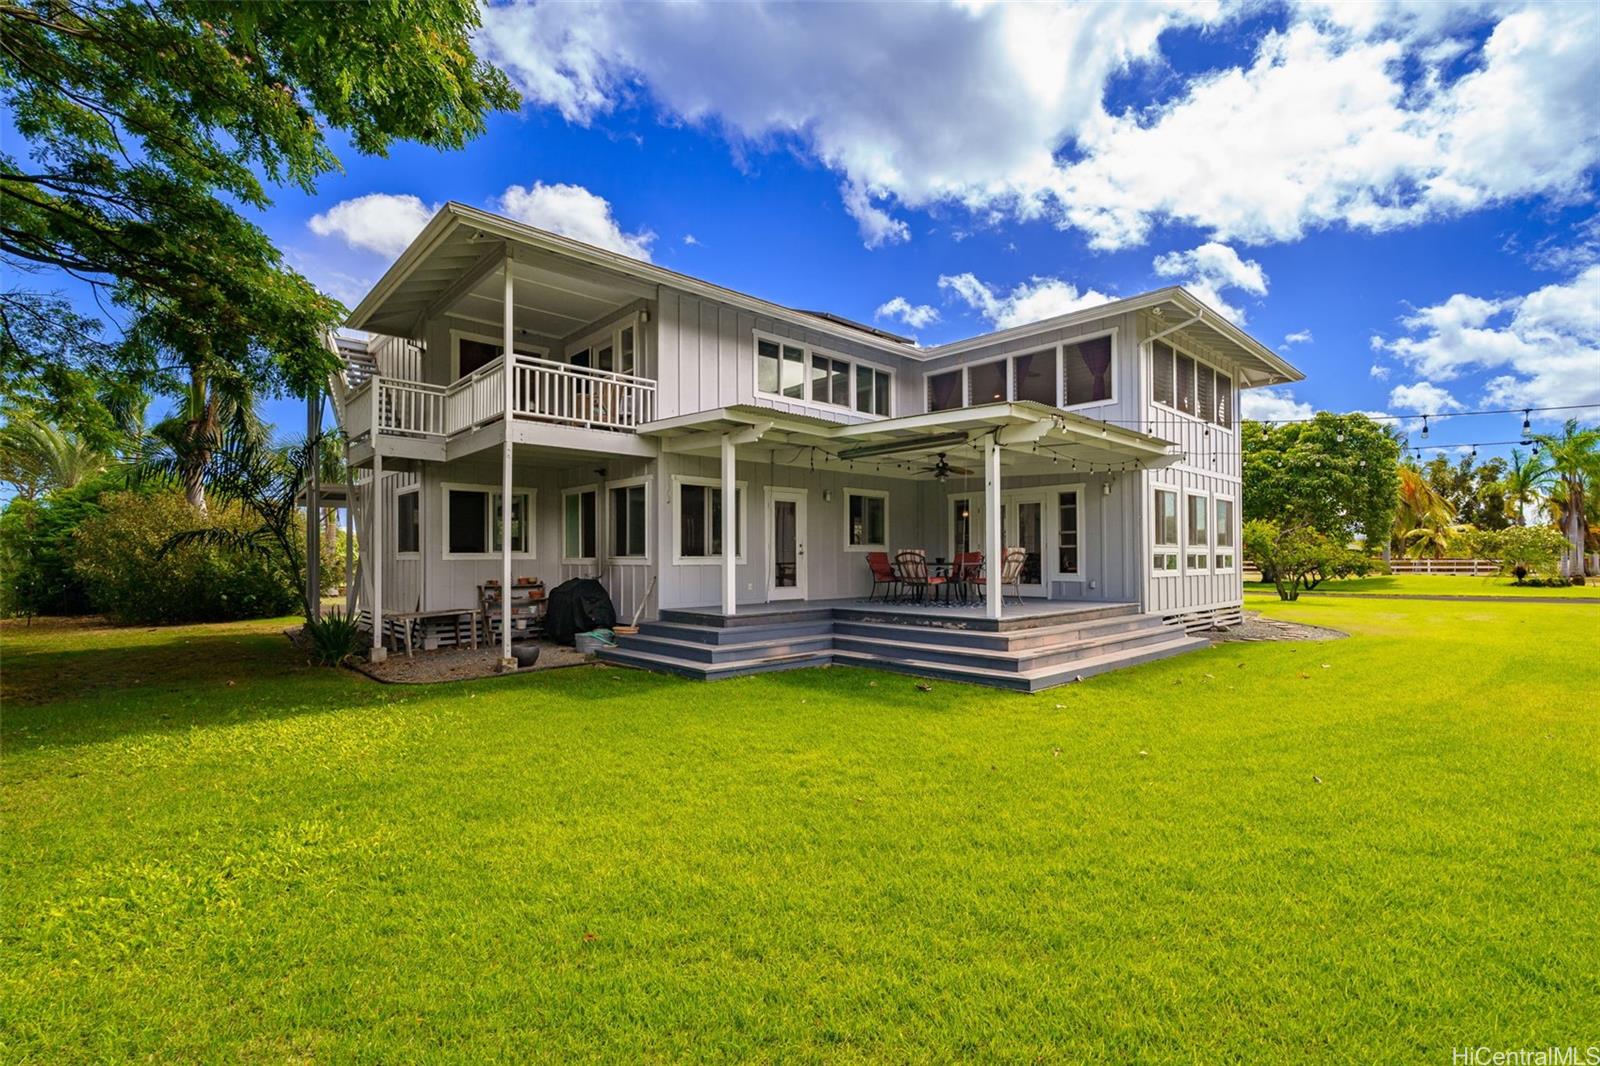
<point>707,360</point>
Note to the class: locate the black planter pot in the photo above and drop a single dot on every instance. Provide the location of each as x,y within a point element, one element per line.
<point>526,654</point>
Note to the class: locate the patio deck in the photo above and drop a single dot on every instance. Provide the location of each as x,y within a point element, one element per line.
<point>1031,613</point>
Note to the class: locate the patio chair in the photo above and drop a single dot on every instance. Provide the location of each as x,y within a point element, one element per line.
<point>883,574</point>
<point>1011,564</point>
<point>966,570</point>
<point>913,567</point>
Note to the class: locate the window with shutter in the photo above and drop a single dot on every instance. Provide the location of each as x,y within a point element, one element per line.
<point>1164,390</point>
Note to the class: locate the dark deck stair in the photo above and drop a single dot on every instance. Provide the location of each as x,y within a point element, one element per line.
<point>1037,652</point>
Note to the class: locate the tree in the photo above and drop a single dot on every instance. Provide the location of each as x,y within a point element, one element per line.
<point>1523,482</point>
<point>1574,458</point>
<point>151,124</point>
<point>1423,519</point>
<point>1520,550</point>
<point>1295,555</point>
<point>1334,474</point>
<point>262,480</point>
<point>36,456</point>
<point>1474,492</point>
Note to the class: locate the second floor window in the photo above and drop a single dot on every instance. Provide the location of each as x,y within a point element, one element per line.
<point>1183,383</point>
<point>794,370</point>
<point>944,391</point>
<point>1086,372</point>
<point>872,390</point>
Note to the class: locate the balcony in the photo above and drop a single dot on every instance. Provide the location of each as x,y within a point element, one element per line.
<point>558,394</point>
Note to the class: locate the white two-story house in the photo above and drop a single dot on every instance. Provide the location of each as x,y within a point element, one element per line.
<point>1100,446</point>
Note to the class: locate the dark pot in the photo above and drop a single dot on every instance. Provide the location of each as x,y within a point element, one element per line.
<point>526,654</point>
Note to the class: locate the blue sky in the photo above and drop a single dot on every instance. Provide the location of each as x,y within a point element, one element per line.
<point>1402,199</point>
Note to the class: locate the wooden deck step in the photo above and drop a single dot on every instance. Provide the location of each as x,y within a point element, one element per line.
<point>1030,680</point>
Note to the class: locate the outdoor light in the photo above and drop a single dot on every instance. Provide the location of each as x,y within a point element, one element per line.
<point>1424,427</point>
<point>1525,426</point>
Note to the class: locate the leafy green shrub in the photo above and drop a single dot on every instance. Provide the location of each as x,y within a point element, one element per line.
<point>1521,551</point>
<point>1292,557</point>
<point>334,638</point>
<point>123,560</point>
<point>36,572</point>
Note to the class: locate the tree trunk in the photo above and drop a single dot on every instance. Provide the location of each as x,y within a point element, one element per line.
<point>1574,531</point>
<point>202,435</point>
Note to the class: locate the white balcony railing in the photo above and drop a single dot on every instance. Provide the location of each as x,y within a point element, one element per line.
<point>541,391</point>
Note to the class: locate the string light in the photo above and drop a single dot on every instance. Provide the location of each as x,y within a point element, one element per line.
<point>1424,427</point>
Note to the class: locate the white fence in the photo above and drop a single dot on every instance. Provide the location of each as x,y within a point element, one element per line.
<point>1466,567</point>
<point>599,399</point>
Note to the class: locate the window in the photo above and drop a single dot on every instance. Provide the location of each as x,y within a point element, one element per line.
<point>408,522</point>
<point>960,525</point>
<point>866,520</point>
<point>1165,510</point>
<point>699,521</point>
<point>1068,541</point>
<point>605,357</point>
<point>474,351</point>
<point>1086,372</point>
<point>1224,553</point>
<point>767,366</point>
<point>1034,377</point>
<point>472,521</point>
<point>830,381</point>
<point>1165,389</point>
<point>944,391</point>
<point>578,525</point>
<point>872,390</point>
<point>629,520</point>
<point>625,352</point>
<point>1185,384</point>
<point>986,382</point>
<point>1198,535</point>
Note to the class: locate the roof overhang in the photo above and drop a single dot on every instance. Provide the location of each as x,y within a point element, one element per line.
<point>1030,435</point>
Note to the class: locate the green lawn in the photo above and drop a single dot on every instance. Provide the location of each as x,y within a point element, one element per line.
<point>1375,849</point>
<point>1443,585</point>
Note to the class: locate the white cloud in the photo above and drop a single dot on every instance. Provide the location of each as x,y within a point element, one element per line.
<point>1273,405</point>
<point>1379,372</point>
<point>877,226</point>
<point>1352,116</point>
<point>573,211</point>
<point>1299,336</point>
<point>378,222</point>
<point>1207,270</point>
<point>1037,299</point>
<point>914,315</point>
<point>1424,397</point>
<point>1547,343</point>
<point>690,239</point>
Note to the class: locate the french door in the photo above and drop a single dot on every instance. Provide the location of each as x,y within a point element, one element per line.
<point>786,544</point>
<point>1022,517</point>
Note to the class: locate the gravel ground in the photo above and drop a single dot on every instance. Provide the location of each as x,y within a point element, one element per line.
<point>454,664</point>
<point>1257,627</point>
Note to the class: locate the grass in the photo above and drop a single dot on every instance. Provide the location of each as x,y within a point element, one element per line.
<point>1375,849</point>
<point>1443,585</point>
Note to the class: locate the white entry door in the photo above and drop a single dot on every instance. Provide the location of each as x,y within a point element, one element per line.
<point>786,544</point>
<point>1022,522</point>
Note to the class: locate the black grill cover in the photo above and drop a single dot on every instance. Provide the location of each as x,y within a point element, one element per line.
<point>578,606</point>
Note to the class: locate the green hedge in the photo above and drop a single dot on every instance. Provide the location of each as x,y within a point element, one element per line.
<point>36,551</point>
<point>118,557</point>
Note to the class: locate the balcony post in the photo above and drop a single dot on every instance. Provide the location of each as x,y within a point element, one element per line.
<point>506,661</point>
<point>730,528</point>
<point>992,546</point>
<point>375,535</point>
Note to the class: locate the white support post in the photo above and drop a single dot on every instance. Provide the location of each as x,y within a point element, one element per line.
<point>506,661</point>
<point>375,535</point>
<point>314,504</point>
<point>730,528</point>
<point>993,548</point>
<point>349,538</point>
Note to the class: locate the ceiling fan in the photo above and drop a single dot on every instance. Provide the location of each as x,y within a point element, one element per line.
<point>941,470</point>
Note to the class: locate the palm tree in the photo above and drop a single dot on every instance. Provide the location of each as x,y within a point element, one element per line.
<point>1574,458</point>
<point>36,456</point>
<point>212,409</point>
<point>1525,478</point>
<point>1423,517</point>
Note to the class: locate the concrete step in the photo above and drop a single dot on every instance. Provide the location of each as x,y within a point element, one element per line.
<point>663,664</point>
<point>726,651</point>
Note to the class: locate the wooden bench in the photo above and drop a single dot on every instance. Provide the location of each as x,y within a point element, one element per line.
<point>406,618</point>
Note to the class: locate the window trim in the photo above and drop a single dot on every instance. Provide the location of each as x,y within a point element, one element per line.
<point>579,560</point>
<point>395,527</point>
<point>614,557</point>
<point>1188,546</point>
<point>811,351</point>
<point>741,492</point>
<point>881,494</point>
<point>1178,349</point>
<point>1216,525</point>
<point>1077,490</point>
<point>1160,547</point>
<point>538,351</point>
<point>1059,351</point>
<point>446,487</point>
<point>593,341</point>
